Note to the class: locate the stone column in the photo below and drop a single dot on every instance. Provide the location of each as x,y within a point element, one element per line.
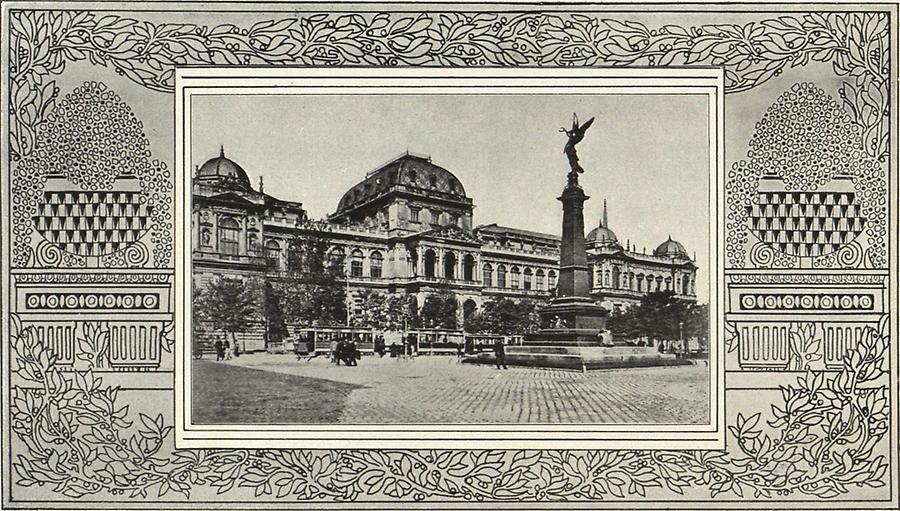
<point>574,279</point>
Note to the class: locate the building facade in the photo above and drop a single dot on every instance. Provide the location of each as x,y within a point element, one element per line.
<point>408,228</point>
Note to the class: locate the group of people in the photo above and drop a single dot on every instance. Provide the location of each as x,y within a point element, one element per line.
<point>346,351</point>
<point>224,350</point>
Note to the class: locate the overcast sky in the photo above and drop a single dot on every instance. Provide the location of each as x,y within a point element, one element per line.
<point>646,155</point>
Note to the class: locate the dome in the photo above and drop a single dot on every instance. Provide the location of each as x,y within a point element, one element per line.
<point>222,171</point>
<point>670,248</point>
<point>602,234</point>
<point>413,171</point>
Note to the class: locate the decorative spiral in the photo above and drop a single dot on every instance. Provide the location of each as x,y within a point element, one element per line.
<point>762,255</point>
<point>48,255</point>
<point>850,255</point>
<point>136,255</point>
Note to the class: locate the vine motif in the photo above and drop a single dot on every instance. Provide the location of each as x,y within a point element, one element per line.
<point>80,441</point>
<point>819,442</point>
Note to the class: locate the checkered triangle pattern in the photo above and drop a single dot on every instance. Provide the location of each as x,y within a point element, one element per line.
<point>92,223</point>
<point>806,224</point>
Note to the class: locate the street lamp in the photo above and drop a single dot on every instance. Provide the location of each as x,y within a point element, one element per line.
<point>681,335</point>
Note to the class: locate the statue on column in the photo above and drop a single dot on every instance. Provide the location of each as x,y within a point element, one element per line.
<point>576,134</point>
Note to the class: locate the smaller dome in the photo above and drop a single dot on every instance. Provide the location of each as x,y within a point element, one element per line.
<point>670,248</point>
<point>221,170</point>
<point>601,235</point>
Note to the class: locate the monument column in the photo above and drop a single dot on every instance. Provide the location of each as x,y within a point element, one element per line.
<point>574,279</point>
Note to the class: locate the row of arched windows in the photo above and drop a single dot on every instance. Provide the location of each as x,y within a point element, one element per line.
<point>448,265</point>
<point>643,282</point>
<point>516,278</point>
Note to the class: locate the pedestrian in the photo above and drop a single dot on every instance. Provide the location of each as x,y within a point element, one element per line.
<point>500,353</point>
<point>220,350</point>
<point>459,351</point>
<point>227,348</point>
<point>237,349</point>
<point>341,349</point>
<point>393,349</point>
<point>352,354</point>
<point>334,352</point>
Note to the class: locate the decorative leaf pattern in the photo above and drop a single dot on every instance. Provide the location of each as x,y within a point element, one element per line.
<point>82,441</point>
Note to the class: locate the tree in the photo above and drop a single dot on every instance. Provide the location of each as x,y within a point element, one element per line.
<point>439,311</point>
<point>507,317</point>
<point>230,304</point>
<point>661,315</point>
<point>384,311</point>
<point>312,290</point>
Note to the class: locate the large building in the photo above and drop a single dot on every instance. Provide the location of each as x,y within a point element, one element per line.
<point>407,228</point>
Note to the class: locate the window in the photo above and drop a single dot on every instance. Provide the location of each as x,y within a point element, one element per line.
<point>450,265</point>
<point>527,280</point>
<point>413,177</point>
<point>551,279</point>
<point>487,275</point>
<point>229,230</point>
<point>336,258</point>
<point>413,214</point>
<point>514,277</point>
<point>539,280</point>
<point>356,263</point>
<point>375,260</point>
<point>468,268</point>
<point>616,277</point>
<point>430,261</point>
<point>273,254</point>
<point>501,276</point>
<point>432,181</point>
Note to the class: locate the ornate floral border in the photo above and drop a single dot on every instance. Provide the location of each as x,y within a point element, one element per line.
<point>82,441</point>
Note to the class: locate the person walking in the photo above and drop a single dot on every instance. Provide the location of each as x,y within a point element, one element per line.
<point>220,350</point>
<point>334,352</point>
<point>500,353</point>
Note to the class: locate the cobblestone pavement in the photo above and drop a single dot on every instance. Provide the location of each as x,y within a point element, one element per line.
<point>441,390</point>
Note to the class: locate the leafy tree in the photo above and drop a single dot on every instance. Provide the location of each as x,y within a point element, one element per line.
<point>230,304</point>
<point>660,315</point>
<point>506,316</point>
<point>276,329</point>
<point>384,311</point>
<point>439,311</point>
<point>312,290</point>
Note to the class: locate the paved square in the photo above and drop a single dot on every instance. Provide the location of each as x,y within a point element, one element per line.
<point>441,390</point>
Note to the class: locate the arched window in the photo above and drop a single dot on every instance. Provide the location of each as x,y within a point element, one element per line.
<point>487,275</point>
<point>430,261</point>
<point>527,279</point>
<point>468,268</point>
<point>229,232</point>
<point>606,278</point>
<point>615,277</point>
<point>551,279</point>
<point>356,263</point>
<point>514,277</point>
<point>539,280</point>
<point>273,254</point>
<point>501,276</point>
<point>336,258</point>
<point>685,283</point>
<point>450,265</point>
<point>376,261</point>
<point>414,261</point>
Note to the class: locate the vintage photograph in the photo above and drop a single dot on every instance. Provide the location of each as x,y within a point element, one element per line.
<point>452,258</point>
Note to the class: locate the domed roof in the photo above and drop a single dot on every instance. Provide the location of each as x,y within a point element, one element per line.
<point>414,171</point>
<point>221,170</point>
<point>602,234</point>
<point>670,248</point>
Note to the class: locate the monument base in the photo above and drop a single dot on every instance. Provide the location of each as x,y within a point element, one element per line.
<point>581,358</point>
<point>571,312</point>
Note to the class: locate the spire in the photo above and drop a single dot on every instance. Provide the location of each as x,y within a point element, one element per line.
<point>605,219</point>
<point>260,184</point>
<point>222,151</point>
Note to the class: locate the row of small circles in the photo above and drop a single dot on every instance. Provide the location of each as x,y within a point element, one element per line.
<point>92,300</point>
<point>807,301</point>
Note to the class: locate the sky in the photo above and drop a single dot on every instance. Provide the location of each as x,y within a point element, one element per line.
<point>646,155</point>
